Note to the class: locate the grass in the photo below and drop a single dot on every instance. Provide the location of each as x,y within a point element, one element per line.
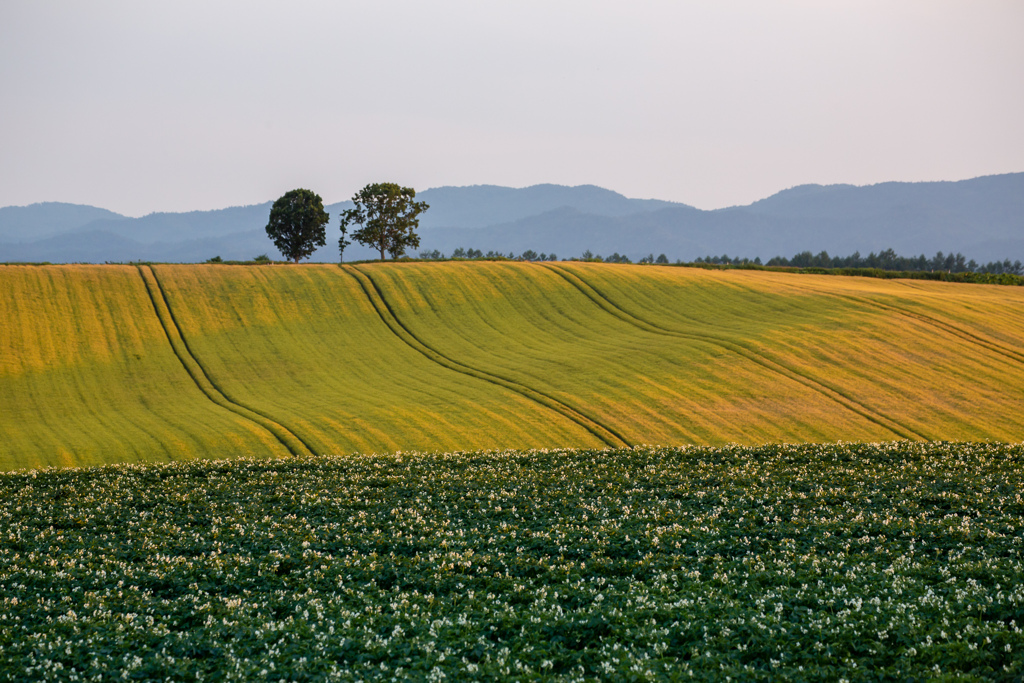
<point>152,362</point>
<point>306,345</point>
<point>87,377</point>
<point>669,355</point>
<point>941,360</point>
<point>898,561</point>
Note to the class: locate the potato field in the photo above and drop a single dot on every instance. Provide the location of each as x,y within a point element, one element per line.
<point>881,561</point>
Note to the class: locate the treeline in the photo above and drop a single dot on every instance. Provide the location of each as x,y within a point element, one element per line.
<point>621,258</point>
<point>887,261</point>
<point>531,255</point>
<point>463,253</point>
<point>883,260</point>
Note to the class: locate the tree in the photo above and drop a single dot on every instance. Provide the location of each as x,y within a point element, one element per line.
<point>297,224</point>
<point>387,216</point>
<point>343,241</point>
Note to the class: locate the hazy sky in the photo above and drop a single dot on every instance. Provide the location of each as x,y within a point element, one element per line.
<point>173,106</point>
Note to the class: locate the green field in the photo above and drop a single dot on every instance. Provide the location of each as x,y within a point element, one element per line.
<point>104,364</point>
<point>804,563</point>
<point>236,523</point>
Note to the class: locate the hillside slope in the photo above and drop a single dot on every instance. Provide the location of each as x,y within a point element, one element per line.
<point>119,363</point>
<point>88,376</point>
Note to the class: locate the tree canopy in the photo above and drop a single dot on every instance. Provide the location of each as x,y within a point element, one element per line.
<point>388,217</point>
<point>298,224</point>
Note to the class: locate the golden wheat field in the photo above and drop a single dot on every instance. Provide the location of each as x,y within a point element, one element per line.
<point>124,363</point>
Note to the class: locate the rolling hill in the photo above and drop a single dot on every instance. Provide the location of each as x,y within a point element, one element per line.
<point>168,362</point>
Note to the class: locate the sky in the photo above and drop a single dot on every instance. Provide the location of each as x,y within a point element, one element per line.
<point>177,106</point>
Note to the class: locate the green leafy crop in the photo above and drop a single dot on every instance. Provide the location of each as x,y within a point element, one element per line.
<point>898,561</point>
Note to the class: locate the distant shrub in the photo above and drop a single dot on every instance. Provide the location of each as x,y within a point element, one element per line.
<point>467,253</point>
<point>215,259</point>
<point>889,260</point>
<point>942,276</point>
<point>618,258</point>
<point>725,259</point>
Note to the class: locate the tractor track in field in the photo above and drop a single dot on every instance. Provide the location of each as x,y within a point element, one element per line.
<point>837,396</point>
<point>607,435</point>
<point>162,307</point>
<point>942,325</point>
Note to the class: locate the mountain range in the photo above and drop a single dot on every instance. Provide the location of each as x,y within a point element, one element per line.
<point>983,218</point>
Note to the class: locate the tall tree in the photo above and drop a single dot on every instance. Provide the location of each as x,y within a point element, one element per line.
<point>388,217</point>
<point>343,241</point>
<point>298,224</point>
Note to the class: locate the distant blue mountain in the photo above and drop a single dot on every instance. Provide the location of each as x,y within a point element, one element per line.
<point>39,221</point>
<point>178,227</point>
<point>483,205</point>
<point>983,218</point>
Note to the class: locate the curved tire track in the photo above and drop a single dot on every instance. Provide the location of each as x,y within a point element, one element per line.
<point>605,434</point>
<point>831,393</point>
<point>288,439</point>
